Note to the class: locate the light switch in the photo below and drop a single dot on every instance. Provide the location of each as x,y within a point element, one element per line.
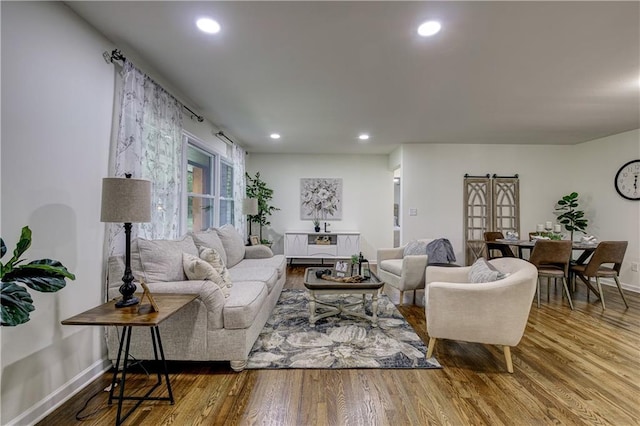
<point>413,212</point>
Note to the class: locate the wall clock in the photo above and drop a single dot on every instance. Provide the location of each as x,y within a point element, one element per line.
<point>627,180</point>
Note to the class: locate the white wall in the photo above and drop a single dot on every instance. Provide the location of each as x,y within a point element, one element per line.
<point>367,194</point>
<point>57,100</point>
<point>432,182</point>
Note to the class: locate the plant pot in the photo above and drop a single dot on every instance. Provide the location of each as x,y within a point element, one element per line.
<point>317,229</point>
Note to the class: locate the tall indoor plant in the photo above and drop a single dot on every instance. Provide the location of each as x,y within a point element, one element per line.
<point>569,215</point>
<point>45,275</point>
<point>258,189</point>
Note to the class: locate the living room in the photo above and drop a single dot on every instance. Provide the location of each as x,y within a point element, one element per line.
<point>57,123</point>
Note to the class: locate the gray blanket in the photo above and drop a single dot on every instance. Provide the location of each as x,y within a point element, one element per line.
<point>440,251</point>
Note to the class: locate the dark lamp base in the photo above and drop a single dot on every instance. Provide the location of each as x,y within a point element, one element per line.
<point>129,302</point>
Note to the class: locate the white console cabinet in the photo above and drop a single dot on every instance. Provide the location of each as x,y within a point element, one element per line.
<point>321,245</point>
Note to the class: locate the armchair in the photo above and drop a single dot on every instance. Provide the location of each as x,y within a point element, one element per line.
<point>403,272</point>
<point>492,313</point>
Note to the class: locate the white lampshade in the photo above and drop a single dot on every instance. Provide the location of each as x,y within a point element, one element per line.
<point>250,206</point>
<point>126,200</point>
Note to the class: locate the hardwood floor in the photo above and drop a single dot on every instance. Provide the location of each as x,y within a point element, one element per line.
<point>571,367</point>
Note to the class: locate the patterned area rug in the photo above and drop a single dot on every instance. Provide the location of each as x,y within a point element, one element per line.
<point>342,341</point>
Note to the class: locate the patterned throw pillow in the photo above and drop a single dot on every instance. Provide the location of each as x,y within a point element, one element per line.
<point>415,247</point>
<point>213,258</point>
<point>483,272</point>
<point>199,269</point>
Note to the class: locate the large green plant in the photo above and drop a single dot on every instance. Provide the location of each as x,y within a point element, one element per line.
<point>43,275</point>
<point>258,189</point>
<point>569,215</point>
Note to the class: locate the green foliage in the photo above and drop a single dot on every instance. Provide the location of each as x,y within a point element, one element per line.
<point>569,215</point>
<point>44,275</point>
<point>258,189</point>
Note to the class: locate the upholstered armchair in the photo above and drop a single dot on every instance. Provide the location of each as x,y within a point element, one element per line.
<point>493,312</point>
<point>400,271</point>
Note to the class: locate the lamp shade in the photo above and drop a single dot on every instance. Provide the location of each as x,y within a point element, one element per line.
<point>126,200</point>
<point>250,206</point>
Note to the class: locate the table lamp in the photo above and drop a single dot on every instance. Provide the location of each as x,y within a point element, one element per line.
<point>128,201</point>
<point>249,208</point>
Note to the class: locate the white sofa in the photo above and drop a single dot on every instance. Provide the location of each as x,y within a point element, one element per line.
<point>212,327</point>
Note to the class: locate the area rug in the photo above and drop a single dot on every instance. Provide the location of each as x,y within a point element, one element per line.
<point>342,341</point>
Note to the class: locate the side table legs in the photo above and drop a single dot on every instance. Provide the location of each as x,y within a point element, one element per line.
<point>157,346</point>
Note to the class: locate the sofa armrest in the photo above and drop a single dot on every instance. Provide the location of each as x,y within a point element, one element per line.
<point>389,253</point>
<point>413,269</point>
<point>257,252</point>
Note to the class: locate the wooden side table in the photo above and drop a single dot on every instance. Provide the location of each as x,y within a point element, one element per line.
<point>127,318</point>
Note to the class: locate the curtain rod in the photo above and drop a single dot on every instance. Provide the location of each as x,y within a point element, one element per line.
<point>221,135</point>
<point>116,55</point>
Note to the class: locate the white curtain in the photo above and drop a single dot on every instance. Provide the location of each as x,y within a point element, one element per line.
<point>239,193</point>
<point>148,146</point>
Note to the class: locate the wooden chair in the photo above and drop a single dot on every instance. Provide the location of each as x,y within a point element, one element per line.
<point>607,252</point>
<point>552,258</point>
<point>505,251</point>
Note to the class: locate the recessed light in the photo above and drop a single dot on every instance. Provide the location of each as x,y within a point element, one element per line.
<point>208,25</point>
<point>429,28</point>
<point>274,135</point>
<point>363,137</point>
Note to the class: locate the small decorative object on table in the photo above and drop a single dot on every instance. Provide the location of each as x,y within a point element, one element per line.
<point>341,268</point>
<point>253,239</point>
<point>147,293</point>
<point>316,225</point>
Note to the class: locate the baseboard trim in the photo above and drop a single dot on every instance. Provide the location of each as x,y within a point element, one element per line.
<point>46,406</point>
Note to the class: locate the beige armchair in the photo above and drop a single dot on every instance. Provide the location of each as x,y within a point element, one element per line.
<point>400,271</point>
<point>492,313</point>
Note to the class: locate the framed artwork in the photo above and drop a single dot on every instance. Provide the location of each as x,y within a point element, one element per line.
<point>254,240</point>
<point>321,199</point>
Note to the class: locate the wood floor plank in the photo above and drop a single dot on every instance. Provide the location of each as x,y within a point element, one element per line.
<point>578,367</point>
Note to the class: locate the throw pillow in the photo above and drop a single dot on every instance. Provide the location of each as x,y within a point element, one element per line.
<point>233,244</point>
<point>162,259</point>
<point>213,258</point>
<point>483,272</point>
<point>415,247</point>
<point>210,239</point>
<point>199,269</point>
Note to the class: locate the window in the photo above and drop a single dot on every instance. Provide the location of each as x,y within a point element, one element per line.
<point>209,188</point>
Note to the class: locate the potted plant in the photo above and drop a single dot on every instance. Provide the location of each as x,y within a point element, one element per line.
<point>258,189</point>
<point>45,275</point>
<point>316,225</point>
<point>569,215</point>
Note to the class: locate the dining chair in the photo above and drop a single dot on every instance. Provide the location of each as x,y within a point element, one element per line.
<point>552,258</point>
<point>606,253</point>
<point>505,251</point>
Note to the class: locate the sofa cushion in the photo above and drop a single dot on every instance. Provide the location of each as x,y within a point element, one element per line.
<point>213,258</point>
<point>199,269</point>
<point>483,272</point>
<point>233,244</point>
<point>161,260</point>
<point>415,247</point>
<point>209,239</point>
<point>393,266</point>
<point>242,307</point>
<point>278,261</point>
<point>267,275</point>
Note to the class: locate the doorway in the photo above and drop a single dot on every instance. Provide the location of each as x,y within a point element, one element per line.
<point>396,207</point>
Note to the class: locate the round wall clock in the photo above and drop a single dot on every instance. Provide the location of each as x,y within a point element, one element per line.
<point>627,180</point>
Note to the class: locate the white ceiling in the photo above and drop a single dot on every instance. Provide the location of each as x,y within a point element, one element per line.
<point>319,73</point>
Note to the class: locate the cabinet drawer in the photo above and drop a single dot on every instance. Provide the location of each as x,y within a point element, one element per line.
<point>319,250</point>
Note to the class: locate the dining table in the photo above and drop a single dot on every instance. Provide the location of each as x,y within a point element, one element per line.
<point>587,250</point>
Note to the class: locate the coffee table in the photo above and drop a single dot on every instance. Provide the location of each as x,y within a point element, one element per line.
<point>318,287</point>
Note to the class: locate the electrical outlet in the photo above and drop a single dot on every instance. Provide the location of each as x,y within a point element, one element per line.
<point>634,266</point>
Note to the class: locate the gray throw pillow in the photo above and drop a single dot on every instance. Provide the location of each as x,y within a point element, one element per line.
<point>233,244</point>
<point>162,259</point>
<point>415,247</point>
<point>209,239</point>
<point>483,272</point>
